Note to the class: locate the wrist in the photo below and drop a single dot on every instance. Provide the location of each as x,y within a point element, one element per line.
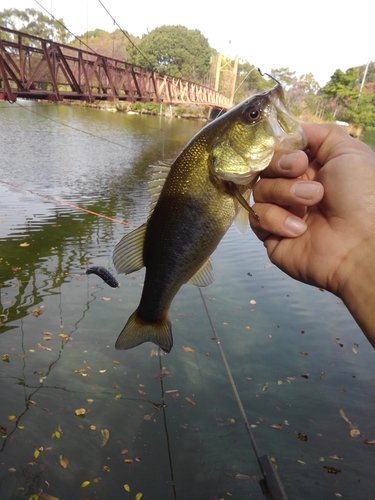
<point>356,286</point>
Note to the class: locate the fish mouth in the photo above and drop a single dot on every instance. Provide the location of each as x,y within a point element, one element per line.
<point>282,124</point>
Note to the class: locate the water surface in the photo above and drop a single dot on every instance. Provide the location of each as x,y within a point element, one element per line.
<point>296,354</point>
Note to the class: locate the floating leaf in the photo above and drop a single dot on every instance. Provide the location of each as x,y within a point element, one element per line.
<point>36,453</point>
<point>105,434</point>
<point>369,441</point>
<point>301,462</point>
<point>93,427</point>
<point>189,400</point>
<point>242,476</point>
<point>5,357</point>
<point>80,411</point>
<point>138,496</point>
<point>187,349</point>
<point>102,371</point>
<point>137,459</point>
<point>147,417</point>
<point>90,401</point>
<point>3,430</point>
<point>12,417</point>
<point>279,382</point>
<point>305,353</point>
<point>276,426</point>
<point>106,468</point>
<point>24,244</point>
<point>302,437</point>
<point>126,487</point>
<point>265,387</point>
<point>355,432</point>
<point>63,462</point>
<point>331,470</point>
<point>344,416</point>
<point>128,460</point>
<point>84,484</point>
<point>124,451</point>
<point>336,457</point>
<point>252,301</point>
<point>105,298</point>
<point>305,375</point>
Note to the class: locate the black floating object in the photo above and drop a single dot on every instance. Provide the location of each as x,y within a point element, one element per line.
<point>103,273</point>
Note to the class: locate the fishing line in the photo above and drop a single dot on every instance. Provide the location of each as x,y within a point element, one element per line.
<point>127,36</point>
<point>67,29</point>
<point>164,405</point>
<point>62,202</point>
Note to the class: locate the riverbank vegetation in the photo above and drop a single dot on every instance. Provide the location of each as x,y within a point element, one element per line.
<point>179,52</point>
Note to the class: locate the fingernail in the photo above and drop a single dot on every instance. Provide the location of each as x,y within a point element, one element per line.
<point>305,189</point>
<point>286,162</point>
<point>295,225</point>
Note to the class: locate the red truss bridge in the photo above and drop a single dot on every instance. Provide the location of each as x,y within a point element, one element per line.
<point>35,68</point>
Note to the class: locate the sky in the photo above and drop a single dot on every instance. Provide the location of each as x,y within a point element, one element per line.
<point>315,37</point>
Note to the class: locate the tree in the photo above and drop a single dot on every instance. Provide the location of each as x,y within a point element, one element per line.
<point>249,81</point>
<point>175,50</point>
<point>285,76</point>
<point>35,23</point>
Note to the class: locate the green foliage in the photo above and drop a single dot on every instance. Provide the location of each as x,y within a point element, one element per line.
<point>249,81</point>
<point>35,23</point>
<point>285,76</point>
<point>176,51</point>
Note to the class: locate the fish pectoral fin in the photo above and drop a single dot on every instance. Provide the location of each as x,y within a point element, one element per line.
<point>241,220</point>
<point>128,253</point>
<point>204,276</point>
<point>137,332</point>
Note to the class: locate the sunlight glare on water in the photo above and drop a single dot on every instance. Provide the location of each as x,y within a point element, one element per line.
<point>296,354</point>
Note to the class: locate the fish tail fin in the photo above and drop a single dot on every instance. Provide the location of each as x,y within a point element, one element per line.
<point>136,331</point>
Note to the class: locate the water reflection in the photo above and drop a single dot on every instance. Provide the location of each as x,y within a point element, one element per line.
<point>175,431</point>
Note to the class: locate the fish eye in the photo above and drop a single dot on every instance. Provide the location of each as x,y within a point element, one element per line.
<point>252,115</point>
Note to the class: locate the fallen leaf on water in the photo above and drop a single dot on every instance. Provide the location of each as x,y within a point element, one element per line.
<point>305,353</point>
<point>36,453</point>
<point>3,430</point>
<point>128,460</point>
<point>45,496</point>
<point>305,375</point>
<point>138,496</point>
<point>279,382</point>
<point>124,452</point>
<point>276,426</point>
<point>90,401</point>
<point>80,411</point>
<point>84,484</point>
<point>137,459</point>
<point>354,350</point>
<point>265,387</point>
<point>190,401</point>
<point>336,457</point>
<point>93,427</point>
<point>106,468</point>
<point>171,390</point>
<point>63,462</point>
<point>5,357</point>
<point>301,462</point>
<point>105,434</point>
<point>331,470</point>
<point>102,371</point>
<point>322,374</point>
<point>12,417</point>
<point>118,396</point>
<point>105,298</point>
<point>126,487</point>
<point>141,392</point>
<point>187,349</point>
<point>369,441</point>
<point>302,437</point>
<point>37,312</point>
<point>147,417</point>
<point>242,476</point>
<point>342,413</point>
<point>252,301</point>
<point>355,432</point>
<point>24,244</point>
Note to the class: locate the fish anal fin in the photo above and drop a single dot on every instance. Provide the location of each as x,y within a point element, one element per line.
<point>136,332</point>
<point>204,276</point>
<point>128,253</point>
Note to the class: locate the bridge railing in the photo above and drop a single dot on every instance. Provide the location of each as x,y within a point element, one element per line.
<point>35,68</point>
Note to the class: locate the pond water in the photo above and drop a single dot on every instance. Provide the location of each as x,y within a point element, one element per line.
<point>157,427</point>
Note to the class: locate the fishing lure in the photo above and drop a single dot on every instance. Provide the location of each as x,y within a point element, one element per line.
<point>103,273</point>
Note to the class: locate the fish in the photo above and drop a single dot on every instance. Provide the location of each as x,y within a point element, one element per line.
<point>194,201</point>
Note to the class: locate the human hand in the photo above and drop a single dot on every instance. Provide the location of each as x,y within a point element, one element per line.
<point>328,238</point>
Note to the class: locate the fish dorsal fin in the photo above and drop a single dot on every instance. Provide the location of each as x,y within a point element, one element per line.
<point>128,253</point>
<point>159,173</point>
<point>204,276</point>
<point>241,220</point>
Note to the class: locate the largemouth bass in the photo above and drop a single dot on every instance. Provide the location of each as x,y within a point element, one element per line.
<point>194,201</point>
